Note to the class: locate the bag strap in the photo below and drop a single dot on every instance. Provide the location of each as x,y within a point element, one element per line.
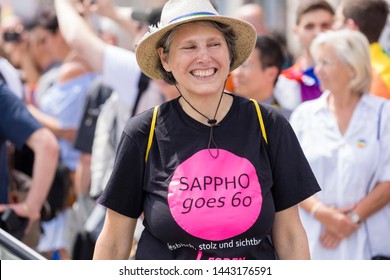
<point>143,84</point>
<point>261,122</point>
<point>368,188</point>
<point>378,136</point>
<point>151,133</point>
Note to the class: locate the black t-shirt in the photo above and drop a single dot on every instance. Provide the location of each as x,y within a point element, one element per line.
<point>199,207</point>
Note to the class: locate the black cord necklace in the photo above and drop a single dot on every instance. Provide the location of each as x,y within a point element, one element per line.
<point>212,122</point>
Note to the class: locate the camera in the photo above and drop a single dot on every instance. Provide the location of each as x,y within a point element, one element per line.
<point>13,224</point>
<point>12,36</point>
<point>89,2</point>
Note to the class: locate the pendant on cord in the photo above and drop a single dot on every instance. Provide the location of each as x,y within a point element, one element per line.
<point>212,122</point>
<point>212,142</point>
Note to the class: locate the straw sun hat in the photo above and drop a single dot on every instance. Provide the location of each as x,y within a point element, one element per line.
<point>177,12</point>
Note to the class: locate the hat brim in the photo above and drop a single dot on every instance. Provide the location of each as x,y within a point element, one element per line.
<point>149,60</point>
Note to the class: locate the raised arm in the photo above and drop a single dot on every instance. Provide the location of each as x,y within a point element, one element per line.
<point>79,34</point>
<point>120,15</point>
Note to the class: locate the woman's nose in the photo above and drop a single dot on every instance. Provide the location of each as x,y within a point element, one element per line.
<point>203,55</point>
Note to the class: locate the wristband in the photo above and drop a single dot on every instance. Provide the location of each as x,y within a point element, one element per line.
<point>315,208</point>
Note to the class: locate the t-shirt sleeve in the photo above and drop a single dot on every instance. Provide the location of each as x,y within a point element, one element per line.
<point>293,178</point>
<point>17,124</point>
<point>124,190</point>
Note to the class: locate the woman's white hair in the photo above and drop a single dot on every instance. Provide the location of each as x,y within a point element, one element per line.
<point>352,48</point>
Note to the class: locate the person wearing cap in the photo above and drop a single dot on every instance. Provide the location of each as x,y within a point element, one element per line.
<point>208,184</point>
<point>150,16</point>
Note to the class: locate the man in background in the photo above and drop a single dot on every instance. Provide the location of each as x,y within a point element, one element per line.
<point>299,83</point>
<point>369,17</point>
<point>254,14</point>
<point>257,76</point>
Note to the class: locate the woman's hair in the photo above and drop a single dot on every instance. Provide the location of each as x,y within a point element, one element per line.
<point>352,48</point>
<point>166,41</point>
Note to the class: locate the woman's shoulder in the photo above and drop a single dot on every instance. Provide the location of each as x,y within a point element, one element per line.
<point>306,109</point>
<point>272,117</point>
<point>141,123</point>
<point>377,107</point>
<point>246,102</point>
<point>268,111</point>
<point>375,101</point>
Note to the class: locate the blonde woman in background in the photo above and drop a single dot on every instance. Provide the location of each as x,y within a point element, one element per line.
<point>345,135</point>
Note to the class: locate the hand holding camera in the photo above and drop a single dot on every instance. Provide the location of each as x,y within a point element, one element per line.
<point>12,36</point>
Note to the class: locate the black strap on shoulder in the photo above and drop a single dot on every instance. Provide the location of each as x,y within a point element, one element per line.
<point>143,84</point>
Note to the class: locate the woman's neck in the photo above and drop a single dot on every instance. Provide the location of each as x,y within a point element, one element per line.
<point>343,100</point>
<point>342,107</point>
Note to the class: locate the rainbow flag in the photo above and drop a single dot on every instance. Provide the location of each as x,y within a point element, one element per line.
<point>361,143</point>
<point>380,62</point>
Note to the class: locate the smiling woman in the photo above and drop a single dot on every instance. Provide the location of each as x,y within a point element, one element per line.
<point>204,181</point>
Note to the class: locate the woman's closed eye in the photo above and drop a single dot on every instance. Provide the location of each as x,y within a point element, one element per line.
<point>214,44</point>
<point>189,47</point>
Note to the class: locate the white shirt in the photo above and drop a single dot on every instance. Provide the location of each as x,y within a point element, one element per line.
<point>344,165</point>
<point>122,73</point>
<point>12,77</point>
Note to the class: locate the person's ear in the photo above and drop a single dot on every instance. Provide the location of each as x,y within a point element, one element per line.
<point>350,23</point>
<point>272,73</point>
<point>164,59</point>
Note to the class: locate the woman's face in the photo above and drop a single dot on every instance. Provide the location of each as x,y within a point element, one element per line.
<point>334,75</point>
<point>198,59</point>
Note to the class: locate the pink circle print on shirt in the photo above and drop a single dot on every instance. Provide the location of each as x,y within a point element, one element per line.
<point>215,198</point>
